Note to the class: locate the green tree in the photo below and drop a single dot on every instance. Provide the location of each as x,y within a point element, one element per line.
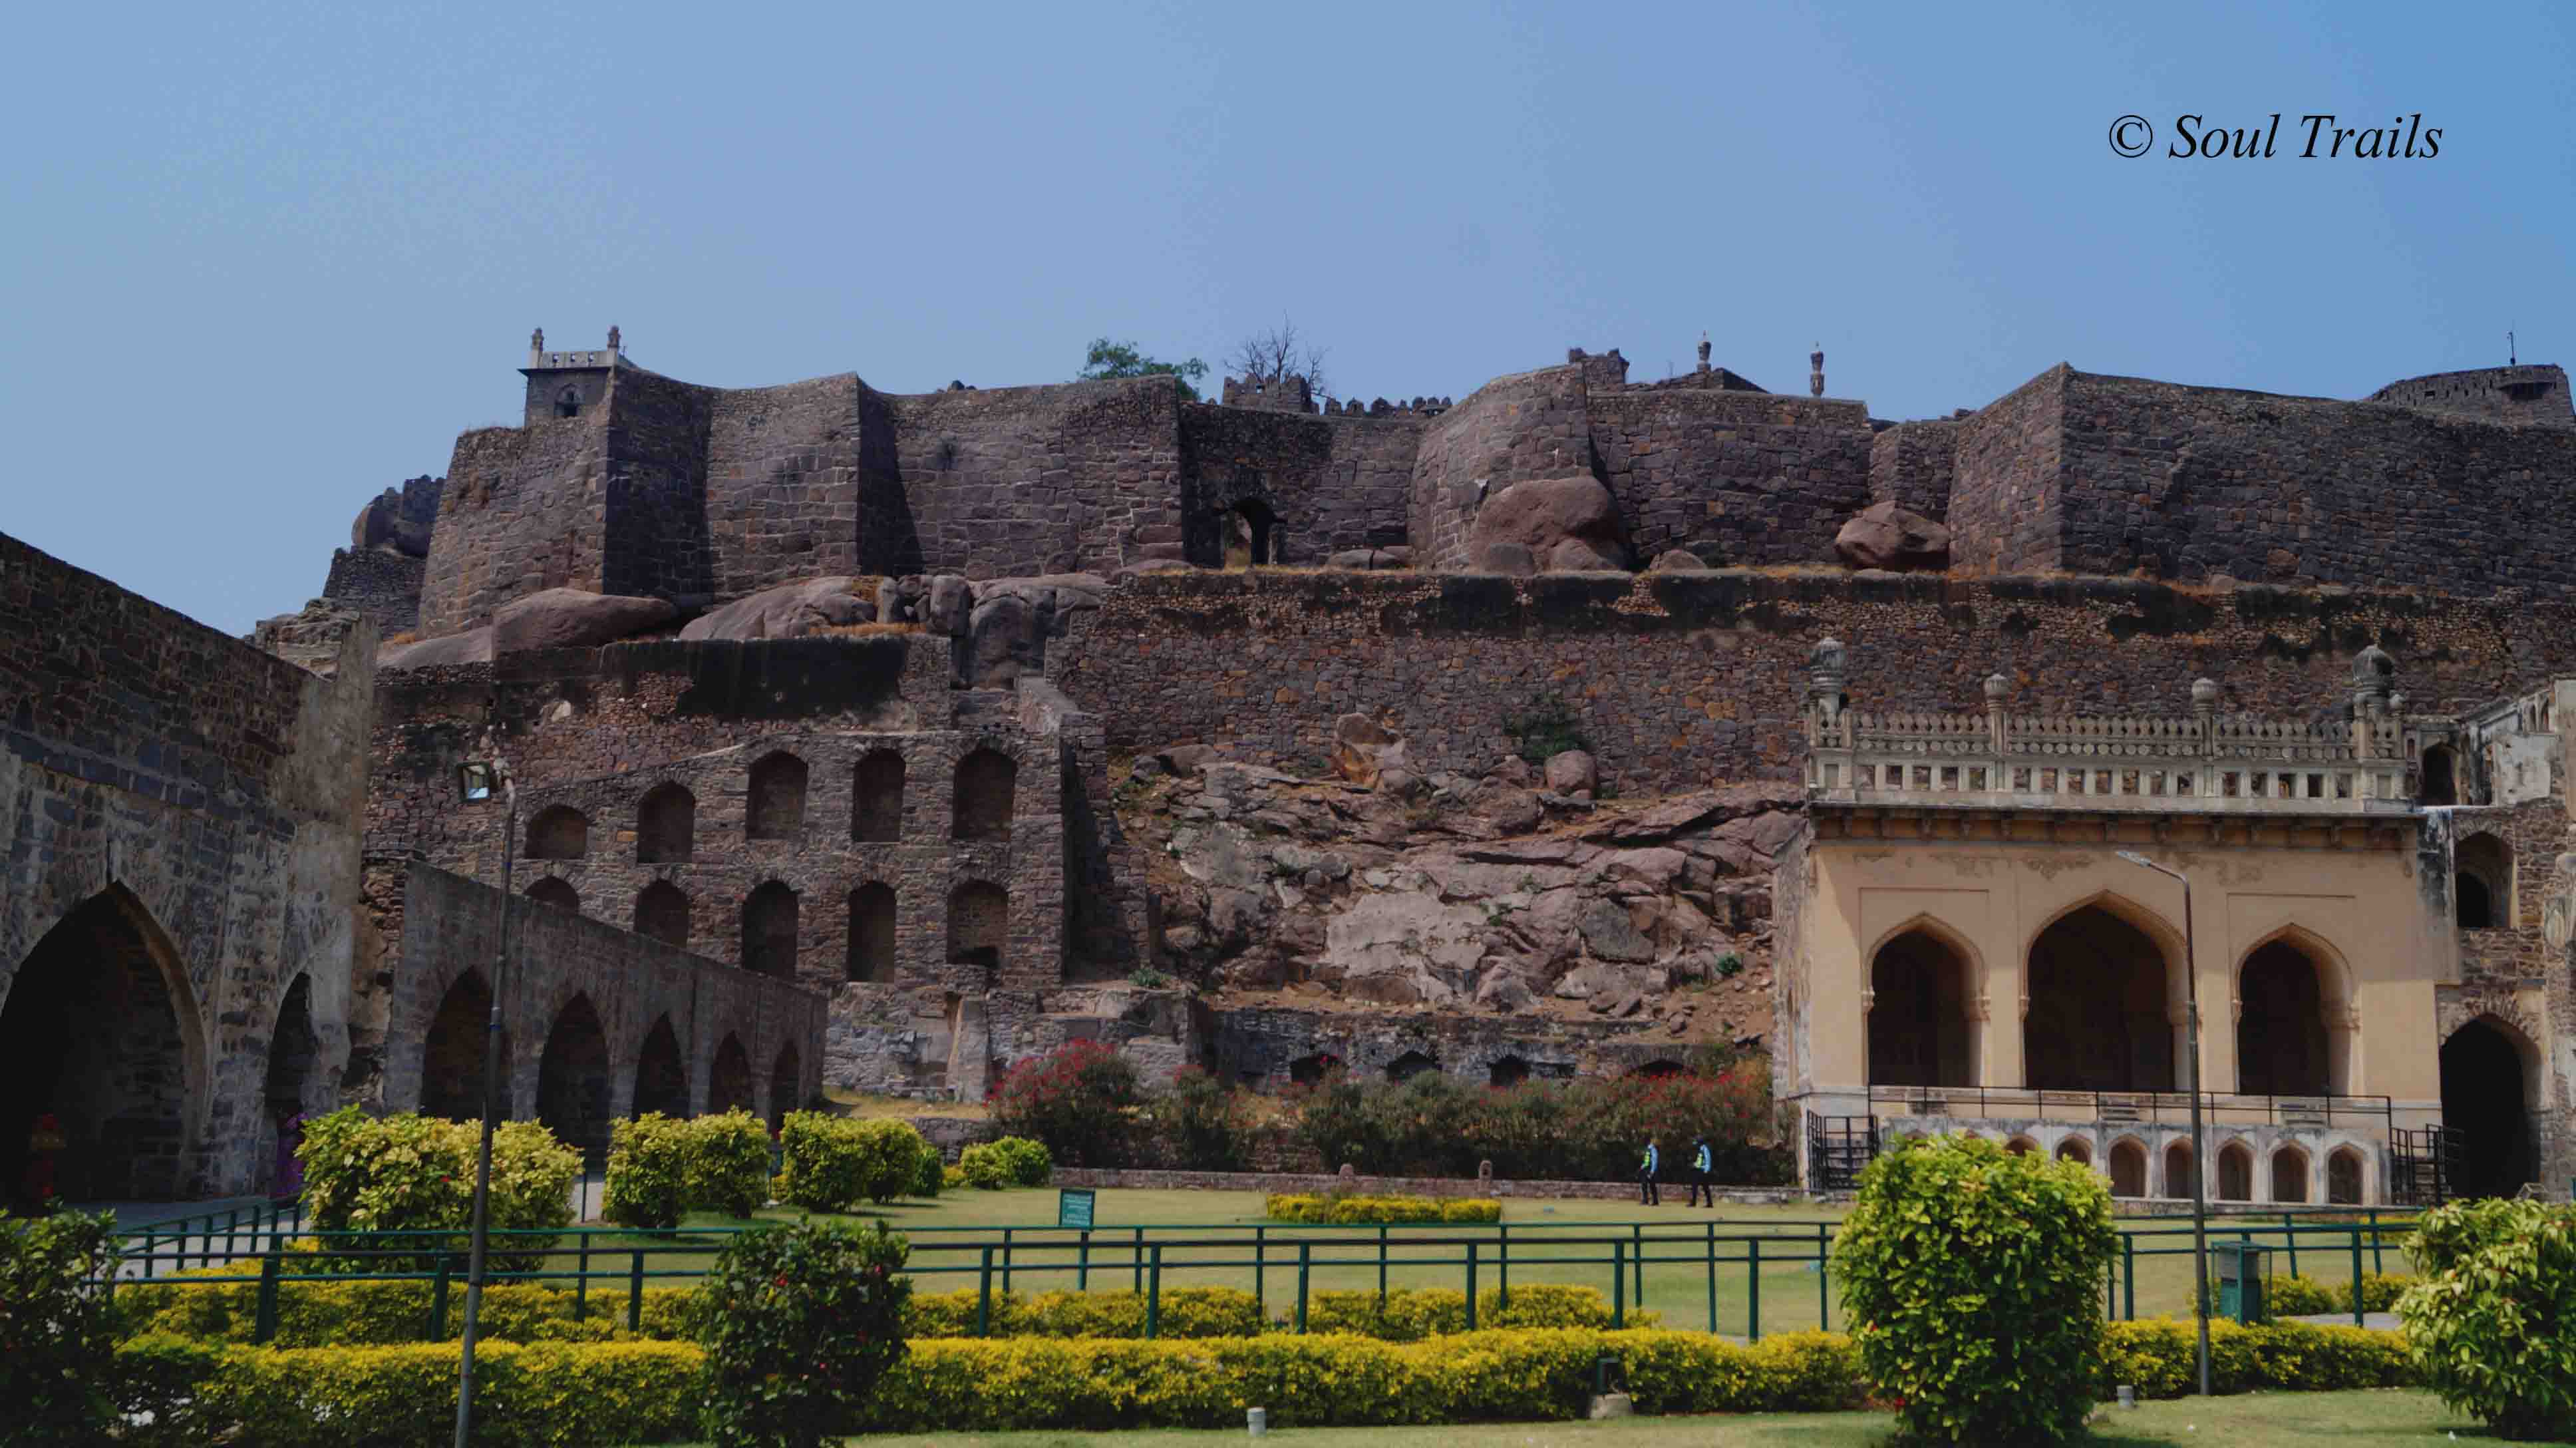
<point>1123,359</point>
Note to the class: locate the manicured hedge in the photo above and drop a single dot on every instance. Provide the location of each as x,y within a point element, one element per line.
<point>1186,1312</point>
<point>835,1162</point>
<point>2289,1296</point>
<point>660,1167</point>
<point>1412,1314</point>
<point>1012,1161</point>
<point>1398,1210</point>
<point>575,1394</point>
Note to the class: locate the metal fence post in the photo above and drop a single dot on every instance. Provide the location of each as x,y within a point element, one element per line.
<point>2129,1276</point>
<point>1260,1269</point>
<point>984,1296</point>
<point>1638,1232</point>
<point>635,1293</point>
<point>1154,1294</point>
<point>1471,1286</point>
<point>581,1284</point>
<point>2290,1242</point>
<point>1305,1251</point>
<point>1082,1268</point>
<point>1618,1283</point>
<point>1381,1266</point>
<point>1712,1279</point>
<point>2377,1262</point>
<point>1503,1263</point>
<point>1138,1266</point>
<point>1006,1261</point>
<point>2356,1278</point>
<point>1753,1282</point>
<point>266,1327</point>
<point>1824,1291</point>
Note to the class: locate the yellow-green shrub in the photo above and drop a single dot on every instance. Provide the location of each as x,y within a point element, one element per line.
<point>2493,1324</point>
<point>1410,1314</point>
<point>1187,1312</point>
<point>835,1162</point>
<point>1368,1210</point>
<point>412,1173</point>
<point>222,1305</point>
<point>1012,1161</point>
<point>727,1164</point>
<point>2159,1357</point>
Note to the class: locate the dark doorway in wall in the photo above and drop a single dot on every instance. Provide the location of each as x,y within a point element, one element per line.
<point>2439,787</point>
<point>2343,1177</point>
<point>1410,1065</point>
<point>556,894</point>
<point>1507,1071</point>
<point>2128,1169</point>
<point>558,832</point>
<point>572,1080</point>
<point>288,1092</point>
<point>662,913</point>
<point>986,781</point>
<point>451,1060</point>
<point>876,797</point>
<point>2482,881</point>
<point>661,1076</point>
<point>1307,1070</point>
<point>2235,1173</point>
<point>784,1074</point>
<point>1919,1030</point>
<point>666,826</point>
<point>94,1035</point>
<point>2290,1176</point>
<point>2281,1047</point>
<point>729,1082</point>
<point>2097,1017</point>
<point>2178,1170</point>
<point>872,932</point>
<point>1250,535</point>
<point>568,402</point>
<point>2485,1072</point>
<point>769,931</point>
<point>776,808</point>
<point>979,924</point>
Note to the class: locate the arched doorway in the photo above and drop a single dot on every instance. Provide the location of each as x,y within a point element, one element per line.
<point>2128,1169</point>
<point>785,1078</point>
<point>1507,1071</point>
<point>1410,1065</point>
<point>2290,1175</point>
<point>776,807</point>
<point>979,924</point>
<point>98,1033</point>
<point>876,797</point>
<point>2179,1176</point>
<point>2281,1045</point>
<point>729,1082</point>
<point>2343,1177</point>
<point>1308,1070</point>
<point>981,809</point>
<point>666,826</point>
<point>769,931</point>
<point>2098,1018</point>
<point>872,932</point>
<point>661,1076</point>
<point>288,1091</point>
<point>572,1080</point>
<point>451,1058</point>
<point>1920,1032</point>
<point>662,913</point>
<point>2438,784</point>
<point>2235,1172</point>
<point>1248,534</point>
<point>2485,1079</point>
<point>2482,882</point>
<point>557,893</point>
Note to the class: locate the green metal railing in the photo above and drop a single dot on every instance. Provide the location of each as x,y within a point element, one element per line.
<point>1703,1260</point>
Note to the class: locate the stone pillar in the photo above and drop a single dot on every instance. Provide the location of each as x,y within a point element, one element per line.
<point>1825,681</point>
<point>1997,738</point>
<point>2374,676</point>
<point>1816,371</point>
<point>2204,718</point>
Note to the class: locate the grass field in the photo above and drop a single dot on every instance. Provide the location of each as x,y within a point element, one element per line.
<point>2355,1420</point>
<point>1041,1258</point>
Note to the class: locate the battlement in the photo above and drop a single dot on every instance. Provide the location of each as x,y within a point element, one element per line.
<point>1381,408</point>
<point>542,360</point>
<point>1269,394</point>
<point>2536,393</point>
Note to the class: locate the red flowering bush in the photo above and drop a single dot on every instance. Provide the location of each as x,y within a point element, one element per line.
<point>799,1323</point>
<point>1077,1100</point>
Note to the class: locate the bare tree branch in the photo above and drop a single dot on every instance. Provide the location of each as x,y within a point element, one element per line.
<point>1281,352</point>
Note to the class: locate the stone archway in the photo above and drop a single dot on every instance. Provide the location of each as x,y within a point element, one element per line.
<point>872,932</point>
<point>573,1090</point>
<point>775,807</point>
<point>876,797</point>
<point>786,1077</point>
<point>979,924</point>
<point>666,825</point>
<point>99,1033</point>
<point>2481,882</point>
<point>661,1073</point>
<point>662,913</point>
<point>2282,1045</point>
<point>2179,1173</point>
<point>1922,1029</point>
<point>2128,1169</point>
<point>729,1077</point>
<point>451,1054</point>
<point>1410,1065</point>
<point>2290,1176</point>
<point>2235,1172</point>
<point>769,931</point>
<point>2488,1070</point>
<point>290,1090</point>
<point>983,803</point>
<point>2100,1014</point>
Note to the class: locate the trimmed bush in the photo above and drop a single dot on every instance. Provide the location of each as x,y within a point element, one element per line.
<point>1975,1276</point>
<point>2160,1358</point>
<point>930,1173</point>
<point>647,1172</point>
<point>800,1321</point>
<point>1411,1314</point>
<point>728,1164</point>
<point>1367,1210</point>
<point>1076,1100</point>
<point>834,1162</point>
<point>413,1173</point>
<point>2492,1323</point>
<point>1204,1124</point>
<point>1187,1312</point>
<point>1013,1161</point>
<point>56,1325</point>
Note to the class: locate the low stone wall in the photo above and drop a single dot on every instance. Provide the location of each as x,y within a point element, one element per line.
<point>1245,1181</point>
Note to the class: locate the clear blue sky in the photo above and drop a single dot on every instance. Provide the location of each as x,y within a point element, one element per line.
<point>263,261</point>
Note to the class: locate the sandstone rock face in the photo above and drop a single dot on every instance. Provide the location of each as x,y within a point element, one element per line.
<point>1884,535</point>
<point>1363,749</point>
<point>1059,599</point>
<point>1540,514</point>
<point>789,611</point>
<point>950,600</point>
<point>1509,559</point>
<point>899,600</point>
<point>398,520</point>
<point>474,646</point>
<point>1005,635</point>
<point>567,618</point>
<point>1397,557</point>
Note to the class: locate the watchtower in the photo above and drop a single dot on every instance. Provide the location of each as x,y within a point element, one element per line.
<point>568,384</point>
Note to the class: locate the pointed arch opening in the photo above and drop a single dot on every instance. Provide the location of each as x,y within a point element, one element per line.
<point>2101,1014</point>
<point>986,781</point>
<point>2236,1172</point>
<point>661,1074</point>
<point>666,825</point>
<point>2180,1175</point>
<point>99,1033</point>
<point>2488,1074</point>
<point>2482,881</point>
<point>785,1076</point>
<point>1921,1026</point>
<point>876,797</point>
<point>2021,1146</point>
<point>2439,786</point>
<point>776,807</point>
<point>769,931</point>
<point>556,893</point>
<point>291,1090</point>
<point>1410,1065</point>
<point>872,934</point>
<point>729,1077</point>
<point>572,1079</point>
<point>2075,1149</point>
<point>1507,1071</point>
<point>2128,1169</point>
<point>2343,1177</point>
<point>451,1063</point>
<point>662,913</point>
<point>2290,1175</point>
<point>2282,1045</point>
<point>979,924</point>
<point>558,832</point>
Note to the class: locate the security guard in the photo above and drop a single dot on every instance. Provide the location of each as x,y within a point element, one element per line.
<point>1647,1195</point>
<point>1702,1162</point>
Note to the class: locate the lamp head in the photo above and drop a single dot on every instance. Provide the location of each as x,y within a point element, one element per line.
<point>477,780</point>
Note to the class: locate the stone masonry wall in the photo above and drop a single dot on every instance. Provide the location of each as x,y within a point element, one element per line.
<point>212,793</point>
<point>2500,394</point>
<point>1910,465</point>
<point>525,508</point>
<point>2006,500</point>
<point>656,520</point>
<point>1013,482</point>
<point>783,484</point>
<point>1678,679</point>
<point>1740,478</point>
<point>1331,484</point>
<point>1530,425</point>
<point>382,585</point>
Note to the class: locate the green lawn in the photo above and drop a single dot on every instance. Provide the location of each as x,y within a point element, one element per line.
<point>1042,1258</point>
<point>2351,1420</point>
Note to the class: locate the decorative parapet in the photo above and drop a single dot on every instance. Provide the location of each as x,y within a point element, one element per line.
<point>2200,764</point>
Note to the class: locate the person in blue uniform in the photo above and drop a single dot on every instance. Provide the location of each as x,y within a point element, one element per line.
<point>1653,1162</point>
<point>1702,1161</point>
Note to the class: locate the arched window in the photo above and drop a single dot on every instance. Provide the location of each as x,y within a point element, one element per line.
<point>2289,1175</point>
<point>769,931</point>
<point>666,826</point>
<point>2178,1170</point>
<point>776,809</point>
<point>2128,1169</point>
<point>1410,1065</point>
<point>872,933</point>
<point>986,780</point>
<point>1919,1021</point>
<point>1507,1071</point>
<point>876,797</point>
<point>979,924</point>
<point>2235,1172</point>
<point>2077,1150</point>
<point>2020,1146</point>
<point>2482,881</point>
<point>559,832</point>
<point>2439,785</point>
<point>556,892</point>
<point>662,913</point>
<point>2343,1177</point>
<point>568,401</point>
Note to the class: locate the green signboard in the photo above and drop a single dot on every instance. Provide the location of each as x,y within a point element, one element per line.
<point>1073,1207</point>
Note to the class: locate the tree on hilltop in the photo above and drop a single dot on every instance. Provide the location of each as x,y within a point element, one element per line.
<point>1124,359</point>
<point>1267,358</point>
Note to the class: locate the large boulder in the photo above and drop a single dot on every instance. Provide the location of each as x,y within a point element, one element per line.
<point>567,618</point>
<point>899,599</point>
<point>1056,598</point>
<point>1363,749</point>
<point>1884,535</point>
<point>474,646</point>
<point>398,520</point>
<point>1004,636</point>
<point>951,599</point>
<point>1541,513</point>
<point>1678,560</point>
<point>789,611</point>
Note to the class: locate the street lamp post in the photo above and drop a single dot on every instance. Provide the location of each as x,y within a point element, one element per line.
<point>2199,1184</point>
<point>477,782</point>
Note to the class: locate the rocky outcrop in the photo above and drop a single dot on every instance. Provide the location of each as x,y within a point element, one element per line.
<point>1884,535</point>
<point>1544,516</point>
<point>789,611</point>
<point>474,646</point>
<point>399,520</point>
<point>567,618</point>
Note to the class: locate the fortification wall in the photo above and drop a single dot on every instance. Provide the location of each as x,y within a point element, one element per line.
<point>1331,483</point>
<point>1011,482</point>
<point>1911,464</point>
<point>2535,394</point>
<point>1740,478</point>
<point>783,483</point>
<point>1530,425</point>
<point>208,795</point>
<point>525,508</point>
<point>385,586</point>
<point>1678,679</point>
<point>657,435</point>
<point>2006,501</point>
